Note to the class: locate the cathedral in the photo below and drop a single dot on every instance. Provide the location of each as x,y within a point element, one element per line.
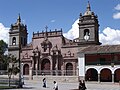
<point>50,53</point>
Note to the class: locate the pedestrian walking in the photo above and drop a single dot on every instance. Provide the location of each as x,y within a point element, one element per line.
<point>83,85</point>
<point>55,85</point>
<point>80,85</point>
<point>44,82</point>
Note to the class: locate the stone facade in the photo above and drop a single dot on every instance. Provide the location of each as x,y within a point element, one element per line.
<point>49,51</point>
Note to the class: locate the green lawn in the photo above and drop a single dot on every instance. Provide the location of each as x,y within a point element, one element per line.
<point>7,87</point>
<point>12,83</point>
<point>3,82</point>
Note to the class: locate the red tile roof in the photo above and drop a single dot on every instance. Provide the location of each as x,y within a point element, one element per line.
<point>101,49</point>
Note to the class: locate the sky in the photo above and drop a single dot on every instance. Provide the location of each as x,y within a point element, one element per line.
<point>57,14</point>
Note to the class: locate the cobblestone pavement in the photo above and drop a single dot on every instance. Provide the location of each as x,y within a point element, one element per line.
<point>37,85</point>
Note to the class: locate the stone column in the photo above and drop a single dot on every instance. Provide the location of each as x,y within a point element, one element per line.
<point>36,66</point>
<point>77,72</point>
<point>36,70</point>
<point>56,66</point>
<point>33,63</point>
<point>30,74</point>
<point>40,66</point>
<point>22,69</point>
<point>63,69</point>
<point>51,66</point>
<point>112,78</point>
<point>81,66</point>
<point>74,70</point>
<point>98,77</point>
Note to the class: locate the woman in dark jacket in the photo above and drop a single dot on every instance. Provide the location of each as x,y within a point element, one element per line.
<point>83,85</point>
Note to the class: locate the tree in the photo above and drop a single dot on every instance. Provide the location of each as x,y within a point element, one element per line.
<point>10,61</point>
<point>13,66</point>
<point>3,47</point>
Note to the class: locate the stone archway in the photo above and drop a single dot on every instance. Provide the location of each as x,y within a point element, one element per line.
<point>91,75</point>
<point>26,69</point>
<point>69,69</point>
<point>45,66</point>
<point>105,75</point>
<point>117,75</point>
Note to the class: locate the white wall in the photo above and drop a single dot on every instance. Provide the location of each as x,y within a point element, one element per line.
<point>81,65</point>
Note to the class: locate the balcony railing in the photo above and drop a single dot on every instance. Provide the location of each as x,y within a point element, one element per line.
<point>103,63</point>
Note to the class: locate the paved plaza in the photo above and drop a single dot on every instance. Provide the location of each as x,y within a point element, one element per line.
<point>37,85</point>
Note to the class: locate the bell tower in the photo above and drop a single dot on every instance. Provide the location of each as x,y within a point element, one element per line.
<point>17,37</point>
<point>88,28</point>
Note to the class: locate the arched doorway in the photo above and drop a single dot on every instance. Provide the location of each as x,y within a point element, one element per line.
<point>91,75</point>
<point>45,66</point>
<point>105,75</point>
<point>69,69</point>
<point>117,75</point>
<point>26,69</point>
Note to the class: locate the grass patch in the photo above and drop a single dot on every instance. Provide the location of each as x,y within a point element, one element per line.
<point>3,82</point>
<point>12,83</point>
<point>7,87</point>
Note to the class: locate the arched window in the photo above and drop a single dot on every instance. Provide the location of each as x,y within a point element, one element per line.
<point>14,41</point>
<point>86,34</point>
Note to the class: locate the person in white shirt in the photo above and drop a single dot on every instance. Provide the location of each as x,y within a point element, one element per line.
<point>44,82</point>
<point>55,85</point>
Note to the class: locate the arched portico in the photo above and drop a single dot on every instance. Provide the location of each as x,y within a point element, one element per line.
<point>117,75</point>
<point>105,75</point>
<point>91,75</point>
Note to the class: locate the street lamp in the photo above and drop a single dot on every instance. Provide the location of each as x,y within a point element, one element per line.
<point>20,83</point>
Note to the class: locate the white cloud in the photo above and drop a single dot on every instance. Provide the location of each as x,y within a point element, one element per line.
<point>110,36</point>
<point>73,32</point>
<point>116,15</point>
<point>4,33</point>
<point>107,36</point>
<point>117,7</point>
<point>52,21</point>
